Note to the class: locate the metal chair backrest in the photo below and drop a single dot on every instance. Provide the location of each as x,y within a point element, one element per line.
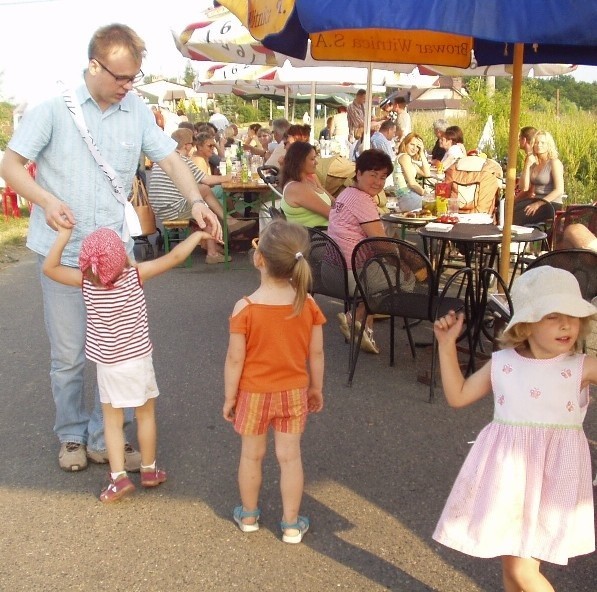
<point>581,263</point>
<point>384,270</point>
<point>495,306</point>
<point>328,267</point>
<point>395,278</point>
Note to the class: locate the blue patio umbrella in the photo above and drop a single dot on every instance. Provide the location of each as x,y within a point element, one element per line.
<point>560,31</point>
<point>499,31</point>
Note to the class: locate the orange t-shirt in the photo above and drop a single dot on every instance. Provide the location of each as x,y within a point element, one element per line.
<point>277,345</point>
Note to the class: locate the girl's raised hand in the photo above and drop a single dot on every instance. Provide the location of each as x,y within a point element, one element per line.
<point>448,328</point>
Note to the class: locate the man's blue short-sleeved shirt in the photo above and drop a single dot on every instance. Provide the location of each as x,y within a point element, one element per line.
<point>65,167</point>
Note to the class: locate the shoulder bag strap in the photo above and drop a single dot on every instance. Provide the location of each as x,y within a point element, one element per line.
<point>131,225</point>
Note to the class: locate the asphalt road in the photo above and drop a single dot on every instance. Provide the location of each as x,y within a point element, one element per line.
<point>379,462</point>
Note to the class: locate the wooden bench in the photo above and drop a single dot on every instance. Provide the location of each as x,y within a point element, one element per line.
<point>175,231</point>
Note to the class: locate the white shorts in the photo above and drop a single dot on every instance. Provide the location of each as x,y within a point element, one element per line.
<point>127,384</point>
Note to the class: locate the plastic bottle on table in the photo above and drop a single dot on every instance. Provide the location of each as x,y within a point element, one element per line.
<point>244,170</point>
<point>396,175</point>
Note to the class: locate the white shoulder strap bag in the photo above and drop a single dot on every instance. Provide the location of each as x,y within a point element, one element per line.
<point>130,225</point>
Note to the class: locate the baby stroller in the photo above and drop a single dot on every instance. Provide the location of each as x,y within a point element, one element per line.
<point>269,174</point>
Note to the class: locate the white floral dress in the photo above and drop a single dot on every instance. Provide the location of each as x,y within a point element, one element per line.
<point>525,487</point>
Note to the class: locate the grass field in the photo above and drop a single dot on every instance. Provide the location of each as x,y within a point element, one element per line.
<point>13,232</point>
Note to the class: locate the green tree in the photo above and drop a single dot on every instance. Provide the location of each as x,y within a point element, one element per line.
<point>6,110</point>
<point>195,112</point>
<point>582,94</point>
<point>189,75</point>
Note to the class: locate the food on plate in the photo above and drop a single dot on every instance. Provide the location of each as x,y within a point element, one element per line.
<point>446,219</point>
<point>424,213</point>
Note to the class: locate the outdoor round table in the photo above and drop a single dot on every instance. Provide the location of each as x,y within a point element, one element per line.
<point>405,222</point>
<point>477,242</point>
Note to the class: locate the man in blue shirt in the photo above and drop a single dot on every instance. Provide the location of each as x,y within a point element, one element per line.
<point>384,138</point>
<point>71,190</point>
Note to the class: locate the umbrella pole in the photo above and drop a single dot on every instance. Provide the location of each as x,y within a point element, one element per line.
<point>368,101</point>
<point>511,168</point>
<point>312,113</point>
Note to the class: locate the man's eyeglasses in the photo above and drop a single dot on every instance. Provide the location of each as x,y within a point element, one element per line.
<point>123,79</point>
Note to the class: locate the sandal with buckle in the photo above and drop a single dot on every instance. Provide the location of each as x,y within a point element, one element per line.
<point>368,343</point>
<point>301,525</point>
<point>344,322</point>
<point>239,513</point>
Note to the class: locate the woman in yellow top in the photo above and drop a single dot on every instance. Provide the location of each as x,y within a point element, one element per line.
<point>304,201</point>
<point>204,149</point>
<point>205,145</point>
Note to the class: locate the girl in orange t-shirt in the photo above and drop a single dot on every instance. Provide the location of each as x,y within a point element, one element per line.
<point>274,373</point>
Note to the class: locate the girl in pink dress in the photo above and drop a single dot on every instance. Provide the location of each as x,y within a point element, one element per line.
<point>524,492</point>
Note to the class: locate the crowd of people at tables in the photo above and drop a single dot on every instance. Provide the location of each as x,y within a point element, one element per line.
<point>310,193</point>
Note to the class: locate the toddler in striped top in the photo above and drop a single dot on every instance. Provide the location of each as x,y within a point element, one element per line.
<point>524,491</point>
<point>117,340</point>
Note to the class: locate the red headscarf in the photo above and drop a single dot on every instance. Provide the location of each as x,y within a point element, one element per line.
<point>103,251</point>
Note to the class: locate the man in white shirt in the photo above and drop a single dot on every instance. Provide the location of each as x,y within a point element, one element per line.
<point>219,120</point>
<point>403,121</point>
<point>279,128</point>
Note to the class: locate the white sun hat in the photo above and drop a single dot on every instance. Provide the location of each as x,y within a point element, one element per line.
<point>545,290</point>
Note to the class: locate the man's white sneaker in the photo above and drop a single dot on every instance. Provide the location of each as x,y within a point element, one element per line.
<point>72,456</point>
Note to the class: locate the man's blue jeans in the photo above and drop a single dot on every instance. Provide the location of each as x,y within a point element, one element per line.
<point>65,320</point>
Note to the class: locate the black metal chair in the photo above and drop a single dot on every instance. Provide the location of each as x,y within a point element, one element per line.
<point>395,278</point>
<point>581,263</point>
<point>328,268</point>
<point>496,304</point>
<point>521,260</point>
<point>494,308</point>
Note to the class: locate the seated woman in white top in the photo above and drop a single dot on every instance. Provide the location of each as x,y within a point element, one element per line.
<point>304,201</point>
<point>410,164</point>
<point>543,180</point>
<point>452,141</point>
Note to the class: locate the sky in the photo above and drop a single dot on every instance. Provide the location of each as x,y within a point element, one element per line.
<point>43,41</point>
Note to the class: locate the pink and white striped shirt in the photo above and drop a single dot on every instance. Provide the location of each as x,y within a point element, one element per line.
<point>117,327</point>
